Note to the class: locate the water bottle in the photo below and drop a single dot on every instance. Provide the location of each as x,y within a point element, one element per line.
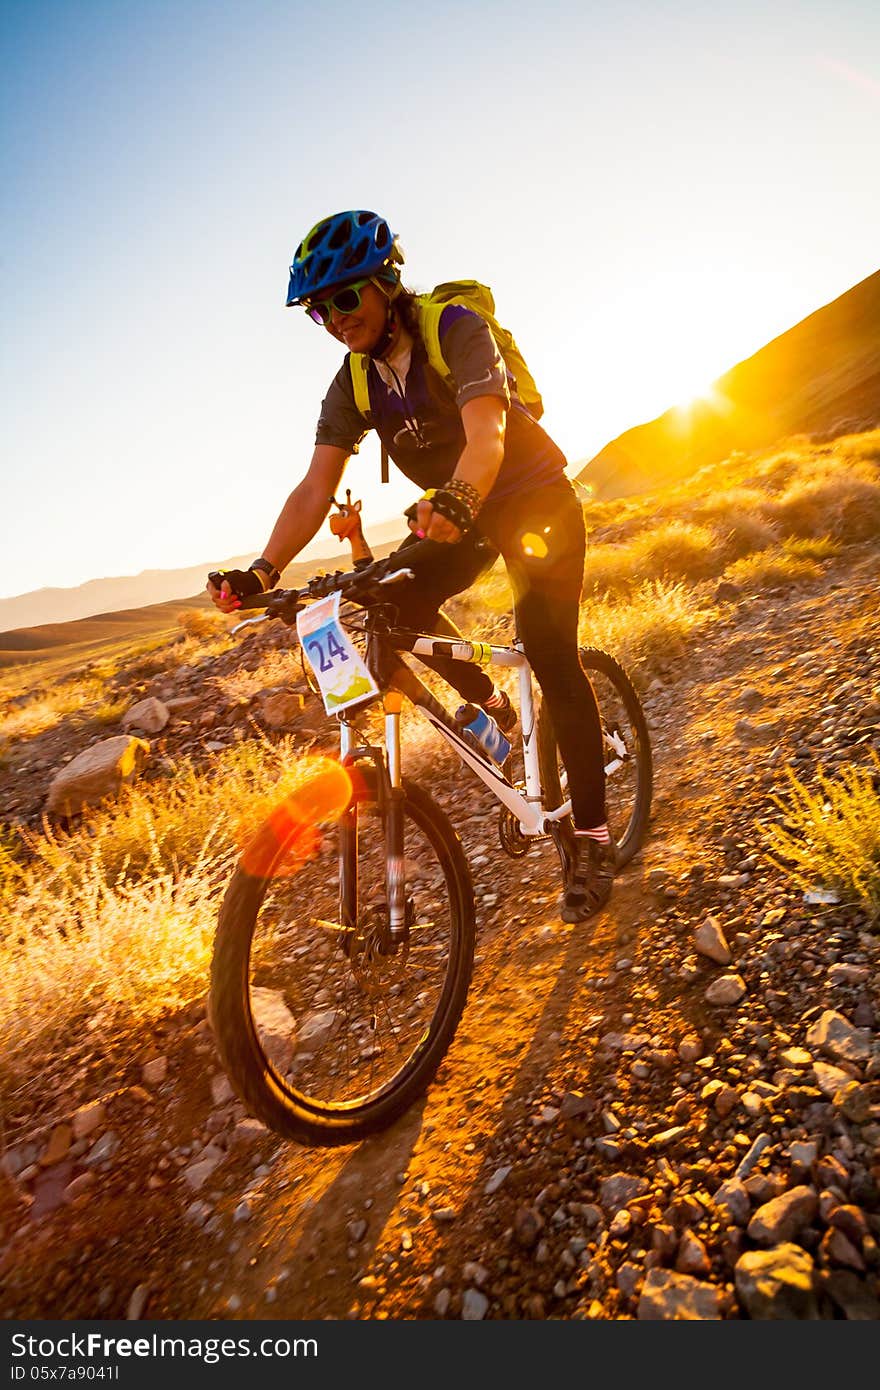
<point>484,731</point>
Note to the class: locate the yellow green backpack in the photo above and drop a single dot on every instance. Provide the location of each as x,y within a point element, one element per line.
<point>471,295</point>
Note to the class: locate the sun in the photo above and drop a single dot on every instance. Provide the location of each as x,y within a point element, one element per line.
<point>702,392</point>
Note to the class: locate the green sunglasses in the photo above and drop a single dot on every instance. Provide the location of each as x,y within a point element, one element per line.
<point>344,301</point>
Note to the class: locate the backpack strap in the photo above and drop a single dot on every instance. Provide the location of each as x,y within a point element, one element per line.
<point>430,314</point>
<point>359,366</point>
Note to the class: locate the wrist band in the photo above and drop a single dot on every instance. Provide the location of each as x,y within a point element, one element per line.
<point>266,572</point>
<point>466,493</point>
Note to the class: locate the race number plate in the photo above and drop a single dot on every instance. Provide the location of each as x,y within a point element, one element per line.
<point>339,668</point>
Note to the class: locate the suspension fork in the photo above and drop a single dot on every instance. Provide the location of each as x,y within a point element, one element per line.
<point>391,799</point>
<point>395,879</point>
<point>348,846</point>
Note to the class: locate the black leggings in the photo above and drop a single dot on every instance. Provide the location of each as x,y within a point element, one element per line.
<point>541,536</point>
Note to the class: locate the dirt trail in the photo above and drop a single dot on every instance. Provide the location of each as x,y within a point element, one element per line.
<point>483,1200</point>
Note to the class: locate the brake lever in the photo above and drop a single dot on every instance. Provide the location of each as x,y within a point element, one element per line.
<point>249,622</point>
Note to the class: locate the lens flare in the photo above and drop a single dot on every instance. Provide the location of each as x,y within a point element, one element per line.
<point>289,831</point>
<point>534,545</point>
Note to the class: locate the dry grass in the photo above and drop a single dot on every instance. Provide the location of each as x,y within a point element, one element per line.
<point>811,548</point>
<point>805,488</point>
<point>278,668</point>
<point>110,927</point>
<point>82,696</point>
<point>201,622</point>
<point>11,871</point>
<point>79,703</point>
<point>161,826</point>
<point>649,634</point>
<point>94,962</point>
<point>675,550</point>
<point>829,837</point>
<point>771,569</point>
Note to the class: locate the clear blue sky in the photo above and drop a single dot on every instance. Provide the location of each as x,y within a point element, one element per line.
<point>652,189</point>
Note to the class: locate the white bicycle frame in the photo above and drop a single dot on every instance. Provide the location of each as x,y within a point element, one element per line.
<point>527,808</point>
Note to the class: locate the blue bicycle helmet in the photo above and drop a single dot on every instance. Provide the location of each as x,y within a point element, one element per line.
<point>347,246</point>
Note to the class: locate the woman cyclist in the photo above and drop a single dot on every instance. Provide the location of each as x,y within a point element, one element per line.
<point>494,476</point>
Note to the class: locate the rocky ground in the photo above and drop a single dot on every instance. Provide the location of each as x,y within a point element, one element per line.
<point>673,1112</point>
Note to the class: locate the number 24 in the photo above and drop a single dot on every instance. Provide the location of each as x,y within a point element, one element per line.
<point>335,651</point>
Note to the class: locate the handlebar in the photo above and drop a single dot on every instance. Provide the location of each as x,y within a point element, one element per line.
<point>402,563</point>
<point>319,586</point>
<point>391,569</point>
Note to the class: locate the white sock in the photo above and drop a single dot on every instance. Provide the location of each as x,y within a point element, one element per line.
<point>598,833</point>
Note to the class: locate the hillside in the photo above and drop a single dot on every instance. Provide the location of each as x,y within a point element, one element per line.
<point>124,593</point>
<point>66,643</point>
<point>671,1112</point>
<point>820,377</point>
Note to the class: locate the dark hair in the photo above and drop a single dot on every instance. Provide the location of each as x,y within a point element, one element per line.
<point>405,307</point>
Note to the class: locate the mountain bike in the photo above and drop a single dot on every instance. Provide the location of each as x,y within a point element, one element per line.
<point>337,986</point>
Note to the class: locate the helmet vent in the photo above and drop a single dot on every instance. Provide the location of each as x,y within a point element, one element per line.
<point>358,252</point>
<point>313,241</point>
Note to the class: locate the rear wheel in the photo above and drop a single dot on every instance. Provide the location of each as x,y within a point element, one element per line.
<point>330,1032</point>
<point>629,776</point>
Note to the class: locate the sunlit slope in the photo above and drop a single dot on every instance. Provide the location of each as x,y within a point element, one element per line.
<point>84,638</point>
<point>821,375</point>
<point>50,607</point>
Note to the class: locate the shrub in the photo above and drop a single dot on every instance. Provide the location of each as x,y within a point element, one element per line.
<point>676,550</point>
<point>811,548</point>
<point>776,472</point>
<point>739,518</point>
<point>649,632</point>
<point>861,446</point>
<point>843,502</point>
<point>830,837</point>
<point>771,569</point>
<point>162,825</point>
<point>200,622</point>
<point>610,569</point>
<point>679,550</point>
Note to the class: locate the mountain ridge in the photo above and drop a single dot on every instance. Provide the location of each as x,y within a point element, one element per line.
<point>821,376</point>
<point>122,593</point>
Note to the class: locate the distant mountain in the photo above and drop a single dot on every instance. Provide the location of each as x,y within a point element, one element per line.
<point>820,377</point>
<point>150,587</point>
<point>85,639</point>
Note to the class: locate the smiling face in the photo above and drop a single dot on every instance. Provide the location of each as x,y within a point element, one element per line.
<point>361,329</point>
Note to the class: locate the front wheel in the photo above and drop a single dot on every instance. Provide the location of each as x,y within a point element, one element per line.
<point>328,1029</point>
<point>629,775</point>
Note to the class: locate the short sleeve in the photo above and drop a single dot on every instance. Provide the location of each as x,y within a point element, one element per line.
<point>340,422</point>
<point>472,356</point>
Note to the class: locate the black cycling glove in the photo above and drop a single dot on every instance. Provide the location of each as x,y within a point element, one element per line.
<point>242,583</point>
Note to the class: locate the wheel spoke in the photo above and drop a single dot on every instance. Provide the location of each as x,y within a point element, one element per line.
<point>359,1004</point>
